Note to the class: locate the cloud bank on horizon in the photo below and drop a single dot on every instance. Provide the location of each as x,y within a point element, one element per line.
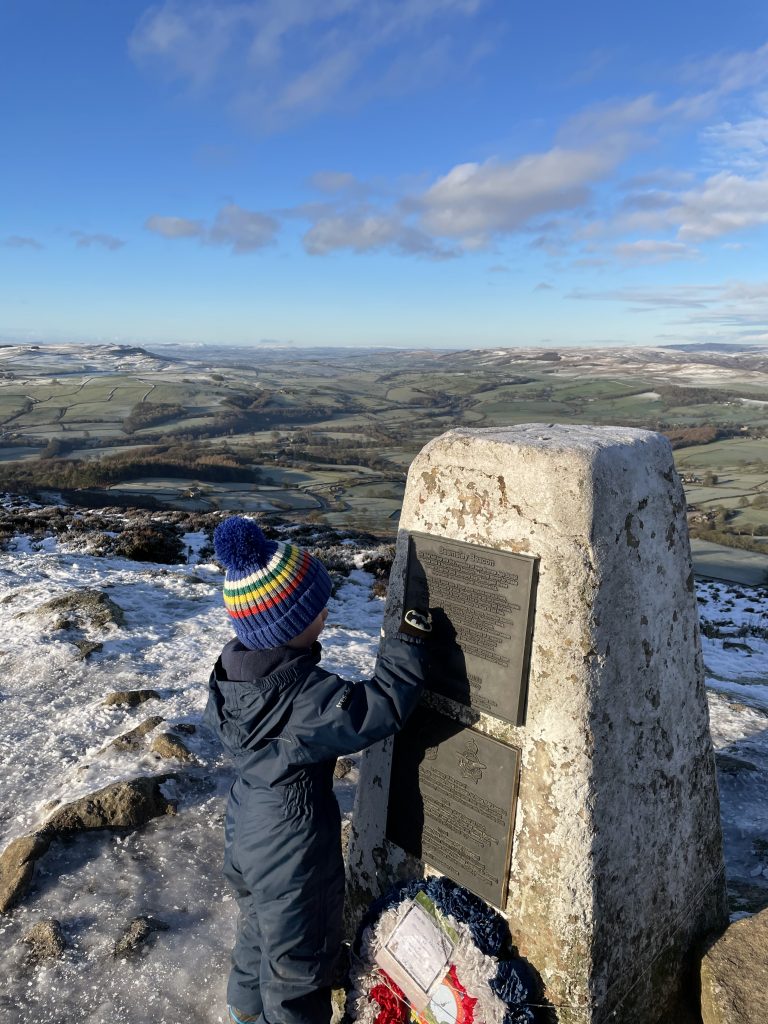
<point>403,171</point>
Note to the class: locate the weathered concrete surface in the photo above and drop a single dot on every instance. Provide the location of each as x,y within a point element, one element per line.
<point>734,974</point>
<point>617,861</point>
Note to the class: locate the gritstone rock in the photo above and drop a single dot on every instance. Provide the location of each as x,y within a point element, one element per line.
<point>137,933</point>
<point>168,746</point>
<point>734,974</point>
<point>45,939</point>
<point>121,805</point>
<point>132,740</point>
<point>90,608</point>
<point>344,766</point>
<point>731,765</point>
<point>17,865</point>
<point>187,728</point>
<point>87,648</point>
<point>130,698</point>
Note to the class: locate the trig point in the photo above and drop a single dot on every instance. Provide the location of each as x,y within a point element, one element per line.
<point>560,765</point>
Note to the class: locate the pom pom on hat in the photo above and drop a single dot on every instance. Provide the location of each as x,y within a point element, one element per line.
<point>272,590</point>
<point>239,543</point>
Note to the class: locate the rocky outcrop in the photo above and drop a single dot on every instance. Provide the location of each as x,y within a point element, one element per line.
<point>131,740</point>
<point>734,974</point>
<point>17,865</point>
<point>121,805</point>
<point>45,939</point>
<point>87,648</point>
<point>130,698</point>
<point>167,745</point>
<point>85,608</point>
<point>344,766</point>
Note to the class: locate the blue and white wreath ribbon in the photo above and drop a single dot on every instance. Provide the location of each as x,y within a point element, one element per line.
<point>490,985</point>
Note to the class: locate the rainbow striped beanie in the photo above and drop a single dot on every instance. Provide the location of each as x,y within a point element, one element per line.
<point>272,591</point>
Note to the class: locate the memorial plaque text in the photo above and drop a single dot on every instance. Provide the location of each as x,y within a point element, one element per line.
<point>452,801</point>
<point>481,601</point>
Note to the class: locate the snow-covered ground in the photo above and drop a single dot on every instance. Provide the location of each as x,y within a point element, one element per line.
<point>54,736</point>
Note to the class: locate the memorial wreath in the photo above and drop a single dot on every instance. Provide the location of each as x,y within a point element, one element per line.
<point>431,952</point>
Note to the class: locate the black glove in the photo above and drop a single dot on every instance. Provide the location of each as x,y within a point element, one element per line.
<point>417,622</point>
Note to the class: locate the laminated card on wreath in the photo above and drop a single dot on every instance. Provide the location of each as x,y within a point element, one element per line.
<point>417,955</point>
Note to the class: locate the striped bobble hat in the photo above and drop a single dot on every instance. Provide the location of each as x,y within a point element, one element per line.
<point>272,591</point>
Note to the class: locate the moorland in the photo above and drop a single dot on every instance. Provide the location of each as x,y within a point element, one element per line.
<point>328,434</point>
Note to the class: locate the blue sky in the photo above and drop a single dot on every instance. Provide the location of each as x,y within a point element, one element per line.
<point>384,172</point>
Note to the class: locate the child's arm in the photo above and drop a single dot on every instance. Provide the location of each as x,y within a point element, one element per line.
<point>332,717</point>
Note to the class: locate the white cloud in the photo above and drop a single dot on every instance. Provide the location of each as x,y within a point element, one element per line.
<point>464,210</point>
<point>614,121</point>
<point>651,250</point>
<point>474,202</point>
<point>675,297</point>
<point>22,242</point>
<point>366,230</point>
<point>86,240</point>
<point>723,204</point>
<point>274,58</point>
<point>235,227</point>
<point>336,181</point>
<point>174,227</point>
<point>740,145</point>
<point>733,310</point>
<point>243,230</point>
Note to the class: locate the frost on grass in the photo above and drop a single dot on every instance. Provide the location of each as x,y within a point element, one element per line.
<point>59,743</point>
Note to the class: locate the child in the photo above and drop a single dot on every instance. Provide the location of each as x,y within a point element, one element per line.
<point>284,720</point>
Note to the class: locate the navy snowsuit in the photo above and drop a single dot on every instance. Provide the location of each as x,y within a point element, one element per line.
<point>284,721</point>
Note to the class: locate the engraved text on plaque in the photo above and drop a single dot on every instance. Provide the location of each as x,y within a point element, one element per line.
<point>452,801</point>
<point>481,601</point>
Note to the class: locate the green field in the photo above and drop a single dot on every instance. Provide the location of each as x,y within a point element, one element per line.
<point>332,435</point>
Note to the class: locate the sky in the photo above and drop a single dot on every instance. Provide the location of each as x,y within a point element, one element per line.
<point>410,173</point>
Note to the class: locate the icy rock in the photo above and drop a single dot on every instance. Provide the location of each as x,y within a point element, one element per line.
<point>87,648</point>
<point>747,897</point>
<point>187,728</point>
<point>132,740</point>
<point>731,765</point>
<point>168,746</point>
<point>130,698</point>
<point>734,974</point>
<point>89,608</point>
<point>137,933</point>
<point>344,766</point>
<point>119,805</point>
<point>45,939</point>
<point>17,865</point>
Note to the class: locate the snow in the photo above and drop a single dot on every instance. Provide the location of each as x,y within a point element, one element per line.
<point>54,736</point>
<point>54,733</point>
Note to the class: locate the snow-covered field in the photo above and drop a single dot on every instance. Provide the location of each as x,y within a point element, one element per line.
<point>54,736</point>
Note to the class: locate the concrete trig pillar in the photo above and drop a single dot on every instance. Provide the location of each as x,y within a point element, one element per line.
<point>616,865</point>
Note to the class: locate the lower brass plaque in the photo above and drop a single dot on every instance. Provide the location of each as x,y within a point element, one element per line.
<point>481,602</point>
<point>452,801</point>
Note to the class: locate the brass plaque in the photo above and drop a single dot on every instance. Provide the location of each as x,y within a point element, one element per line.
<point>481,601</point>
<point>452,799</point>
